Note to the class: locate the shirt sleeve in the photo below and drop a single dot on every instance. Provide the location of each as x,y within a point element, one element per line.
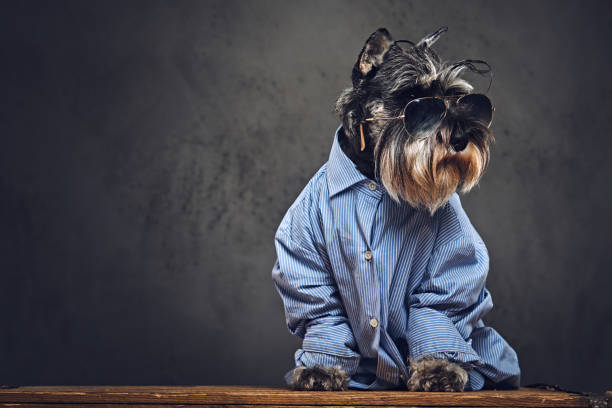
<point>303,278</point>
<point>445,314</point>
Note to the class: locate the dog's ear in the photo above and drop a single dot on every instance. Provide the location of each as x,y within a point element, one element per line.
<point>371,55</point>
<point>428,40</point>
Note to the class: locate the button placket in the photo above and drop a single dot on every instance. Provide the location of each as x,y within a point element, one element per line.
<point>370,194</point>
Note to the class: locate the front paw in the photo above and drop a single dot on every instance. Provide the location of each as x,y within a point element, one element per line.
<point>319,378</point>
<point>436,374</point>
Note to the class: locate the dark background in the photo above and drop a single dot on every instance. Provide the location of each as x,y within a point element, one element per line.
<point>150,149</point>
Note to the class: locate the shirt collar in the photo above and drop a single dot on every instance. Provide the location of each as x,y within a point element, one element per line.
<point>341,171</point>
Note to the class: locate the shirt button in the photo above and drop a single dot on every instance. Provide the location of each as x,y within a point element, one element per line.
<point>372,185</point>
<point>374,322</point>
<point>368,254</point>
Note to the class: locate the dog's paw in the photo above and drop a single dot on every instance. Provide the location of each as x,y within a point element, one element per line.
<point>319,378</point>
<point>436,374</point>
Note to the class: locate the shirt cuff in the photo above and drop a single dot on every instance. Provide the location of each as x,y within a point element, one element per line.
<point>475,381</point>
<point>432,333</point>
<point>466,360</point>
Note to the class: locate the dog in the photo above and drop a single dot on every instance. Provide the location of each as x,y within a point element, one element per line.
<point>378,266</point>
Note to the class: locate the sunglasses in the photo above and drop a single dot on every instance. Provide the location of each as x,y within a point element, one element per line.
<point>422,114</point>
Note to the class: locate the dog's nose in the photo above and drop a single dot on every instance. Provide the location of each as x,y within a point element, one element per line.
<point>459,141</point>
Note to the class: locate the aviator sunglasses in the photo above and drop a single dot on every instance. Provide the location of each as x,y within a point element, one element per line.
<point>422,114</point>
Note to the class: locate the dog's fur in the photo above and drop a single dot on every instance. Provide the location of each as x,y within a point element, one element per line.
<point>319,378</point>
<point>423,169</point>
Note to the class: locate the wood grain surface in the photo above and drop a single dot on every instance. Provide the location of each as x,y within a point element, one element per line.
<point>237,396</point>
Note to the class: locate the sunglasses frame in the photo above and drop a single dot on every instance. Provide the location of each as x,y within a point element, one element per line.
<point>402,116</point>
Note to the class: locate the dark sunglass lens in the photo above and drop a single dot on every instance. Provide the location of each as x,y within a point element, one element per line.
<point>423,114</point>
<point>478,106</point>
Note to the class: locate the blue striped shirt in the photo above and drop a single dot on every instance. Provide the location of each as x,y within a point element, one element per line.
<point>369,283</point>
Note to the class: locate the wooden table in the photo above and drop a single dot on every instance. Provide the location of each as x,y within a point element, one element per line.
<point>239,396</point>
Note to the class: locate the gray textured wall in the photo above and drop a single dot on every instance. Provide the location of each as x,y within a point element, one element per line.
<point>150,149</point>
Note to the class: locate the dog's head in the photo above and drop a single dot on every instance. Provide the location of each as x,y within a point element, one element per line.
<point>407,120</point>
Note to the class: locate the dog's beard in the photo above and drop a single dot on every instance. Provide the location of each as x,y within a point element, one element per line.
<point>423,169</point>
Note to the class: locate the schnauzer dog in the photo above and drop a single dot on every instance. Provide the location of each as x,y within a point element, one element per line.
<point>379,268</point>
